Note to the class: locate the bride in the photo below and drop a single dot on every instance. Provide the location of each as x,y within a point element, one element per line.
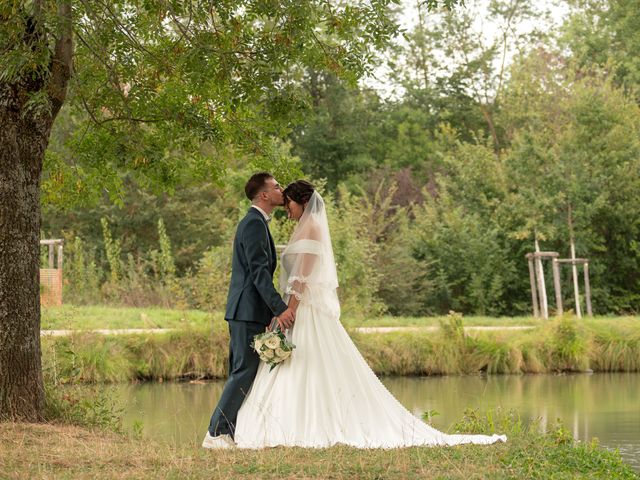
<point>325,393</point>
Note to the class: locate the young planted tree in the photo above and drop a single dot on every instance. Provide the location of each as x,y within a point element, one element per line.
<point>572,172</point>
<point>154,87</point>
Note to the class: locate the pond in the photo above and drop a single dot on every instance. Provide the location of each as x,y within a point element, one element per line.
<point>606,406</point>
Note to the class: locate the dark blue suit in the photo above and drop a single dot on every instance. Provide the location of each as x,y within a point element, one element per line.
<point>251,304</point>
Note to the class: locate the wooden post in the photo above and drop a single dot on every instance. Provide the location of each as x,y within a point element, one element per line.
<point>59,272</point>
<point>585,268</point>
<point>542,289</point>
<point>534,291</point>
<point>587,288</point>
<point>50,255</point>
<point>574,273</point>
<point>574,267</point>
<point>556,285</point>
<point>60,256</point>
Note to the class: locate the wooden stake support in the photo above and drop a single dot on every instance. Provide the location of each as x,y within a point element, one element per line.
<point>574,262</point>
<point>538,284</point>
<point>539,294</point>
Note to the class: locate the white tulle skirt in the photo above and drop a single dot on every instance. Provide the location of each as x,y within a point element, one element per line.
<point>326,394</point>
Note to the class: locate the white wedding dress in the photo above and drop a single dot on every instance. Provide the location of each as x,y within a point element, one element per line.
<point>325,393</point>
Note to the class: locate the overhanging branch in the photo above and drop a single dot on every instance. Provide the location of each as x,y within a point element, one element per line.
<point>62,59</point>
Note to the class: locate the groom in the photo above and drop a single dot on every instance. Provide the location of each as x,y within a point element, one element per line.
<point>251,304</point>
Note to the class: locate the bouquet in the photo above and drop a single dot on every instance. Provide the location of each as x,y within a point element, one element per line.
<point>272,347</point>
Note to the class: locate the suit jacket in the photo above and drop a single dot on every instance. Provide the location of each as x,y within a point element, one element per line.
<point>252,296</point>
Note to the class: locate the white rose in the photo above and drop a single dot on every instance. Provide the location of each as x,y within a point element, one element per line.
<point>257,344</point>
<point>273,342</point>
<point>268,353</point>
<point>280,353</point>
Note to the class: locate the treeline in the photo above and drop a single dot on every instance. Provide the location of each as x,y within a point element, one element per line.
<point>435,192</point>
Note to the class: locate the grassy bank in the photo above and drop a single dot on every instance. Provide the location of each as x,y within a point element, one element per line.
<point>104,317</point>
<point>566,344</point>
<point>56,451</point>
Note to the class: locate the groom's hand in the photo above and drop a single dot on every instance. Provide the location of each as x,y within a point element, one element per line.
<point>286,318</point>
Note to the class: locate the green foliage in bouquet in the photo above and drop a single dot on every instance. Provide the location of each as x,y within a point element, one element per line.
<point>273,347</point>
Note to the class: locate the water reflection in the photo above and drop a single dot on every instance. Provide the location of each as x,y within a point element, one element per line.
<point>606,406</point>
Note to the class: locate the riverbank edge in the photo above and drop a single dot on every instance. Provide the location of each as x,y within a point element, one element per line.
<point>63,451</point>
<point>562,345</point>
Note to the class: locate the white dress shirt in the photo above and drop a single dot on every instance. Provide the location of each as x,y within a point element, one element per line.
<point>264,214</point>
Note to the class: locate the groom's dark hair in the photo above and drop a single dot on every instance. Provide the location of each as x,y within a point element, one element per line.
<point>256,184</point>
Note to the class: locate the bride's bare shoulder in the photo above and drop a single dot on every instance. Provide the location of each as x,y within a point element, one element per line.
<point>310,231</point>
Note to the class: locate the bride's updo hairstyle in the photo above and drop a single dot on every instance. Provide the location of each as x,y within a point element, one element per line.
<point>299,191</point>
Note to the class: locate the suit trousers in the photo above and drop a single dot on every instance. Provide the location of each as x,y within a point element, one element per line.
<point>243,366</point>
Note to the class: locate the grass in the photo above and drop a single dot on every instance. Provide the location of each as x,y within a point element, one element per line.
<point>104,317</point>
<point>198,349</point>
<point>86,357</point>
<point>388,321</point>
<point>561,345</point>
<point>62,451</point>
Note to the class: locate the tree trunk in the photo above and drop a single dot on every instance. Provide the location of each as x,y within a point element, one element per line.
<point>488,116</point>
<point>23,140</point>
<point>25,125</point>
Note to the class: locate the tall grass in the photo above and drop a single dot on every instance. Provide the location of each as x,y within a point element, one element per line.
<point>563,345</point>
<point>92,358</point>
<point>615,350</point>
<point>76,405</point>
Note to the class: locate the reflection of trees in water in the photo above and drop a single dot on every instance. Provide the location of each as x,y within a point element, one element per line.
<point>578,400</point>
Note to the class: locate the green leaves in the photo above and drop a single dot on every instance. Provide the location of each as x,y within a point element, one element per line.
<point>603,35</point>
<point>159,85</point>
<point>24,49</point>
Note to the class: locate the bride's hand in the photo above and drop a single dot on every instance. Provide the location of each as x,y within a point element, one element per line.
<point>272,324</point>
<point>286,319</point>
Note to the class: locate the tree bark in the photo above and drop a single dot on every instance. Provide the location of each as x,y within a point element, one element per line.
<point>22,146</point>
<point>24,136</point>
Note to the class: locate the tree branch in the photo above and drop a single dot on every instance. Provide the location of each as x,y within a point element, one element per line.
<point>505,33</point>
<point>129,35</point>
<point>130,119</point>
<point>184,30</point>
<point>111,74</point>
<point>62,62</point>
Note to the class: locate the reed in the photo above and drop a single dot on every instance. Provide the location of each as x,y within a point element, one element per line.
<point>615,351</point>
<point>562,345</point>
<point>86,358</point>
